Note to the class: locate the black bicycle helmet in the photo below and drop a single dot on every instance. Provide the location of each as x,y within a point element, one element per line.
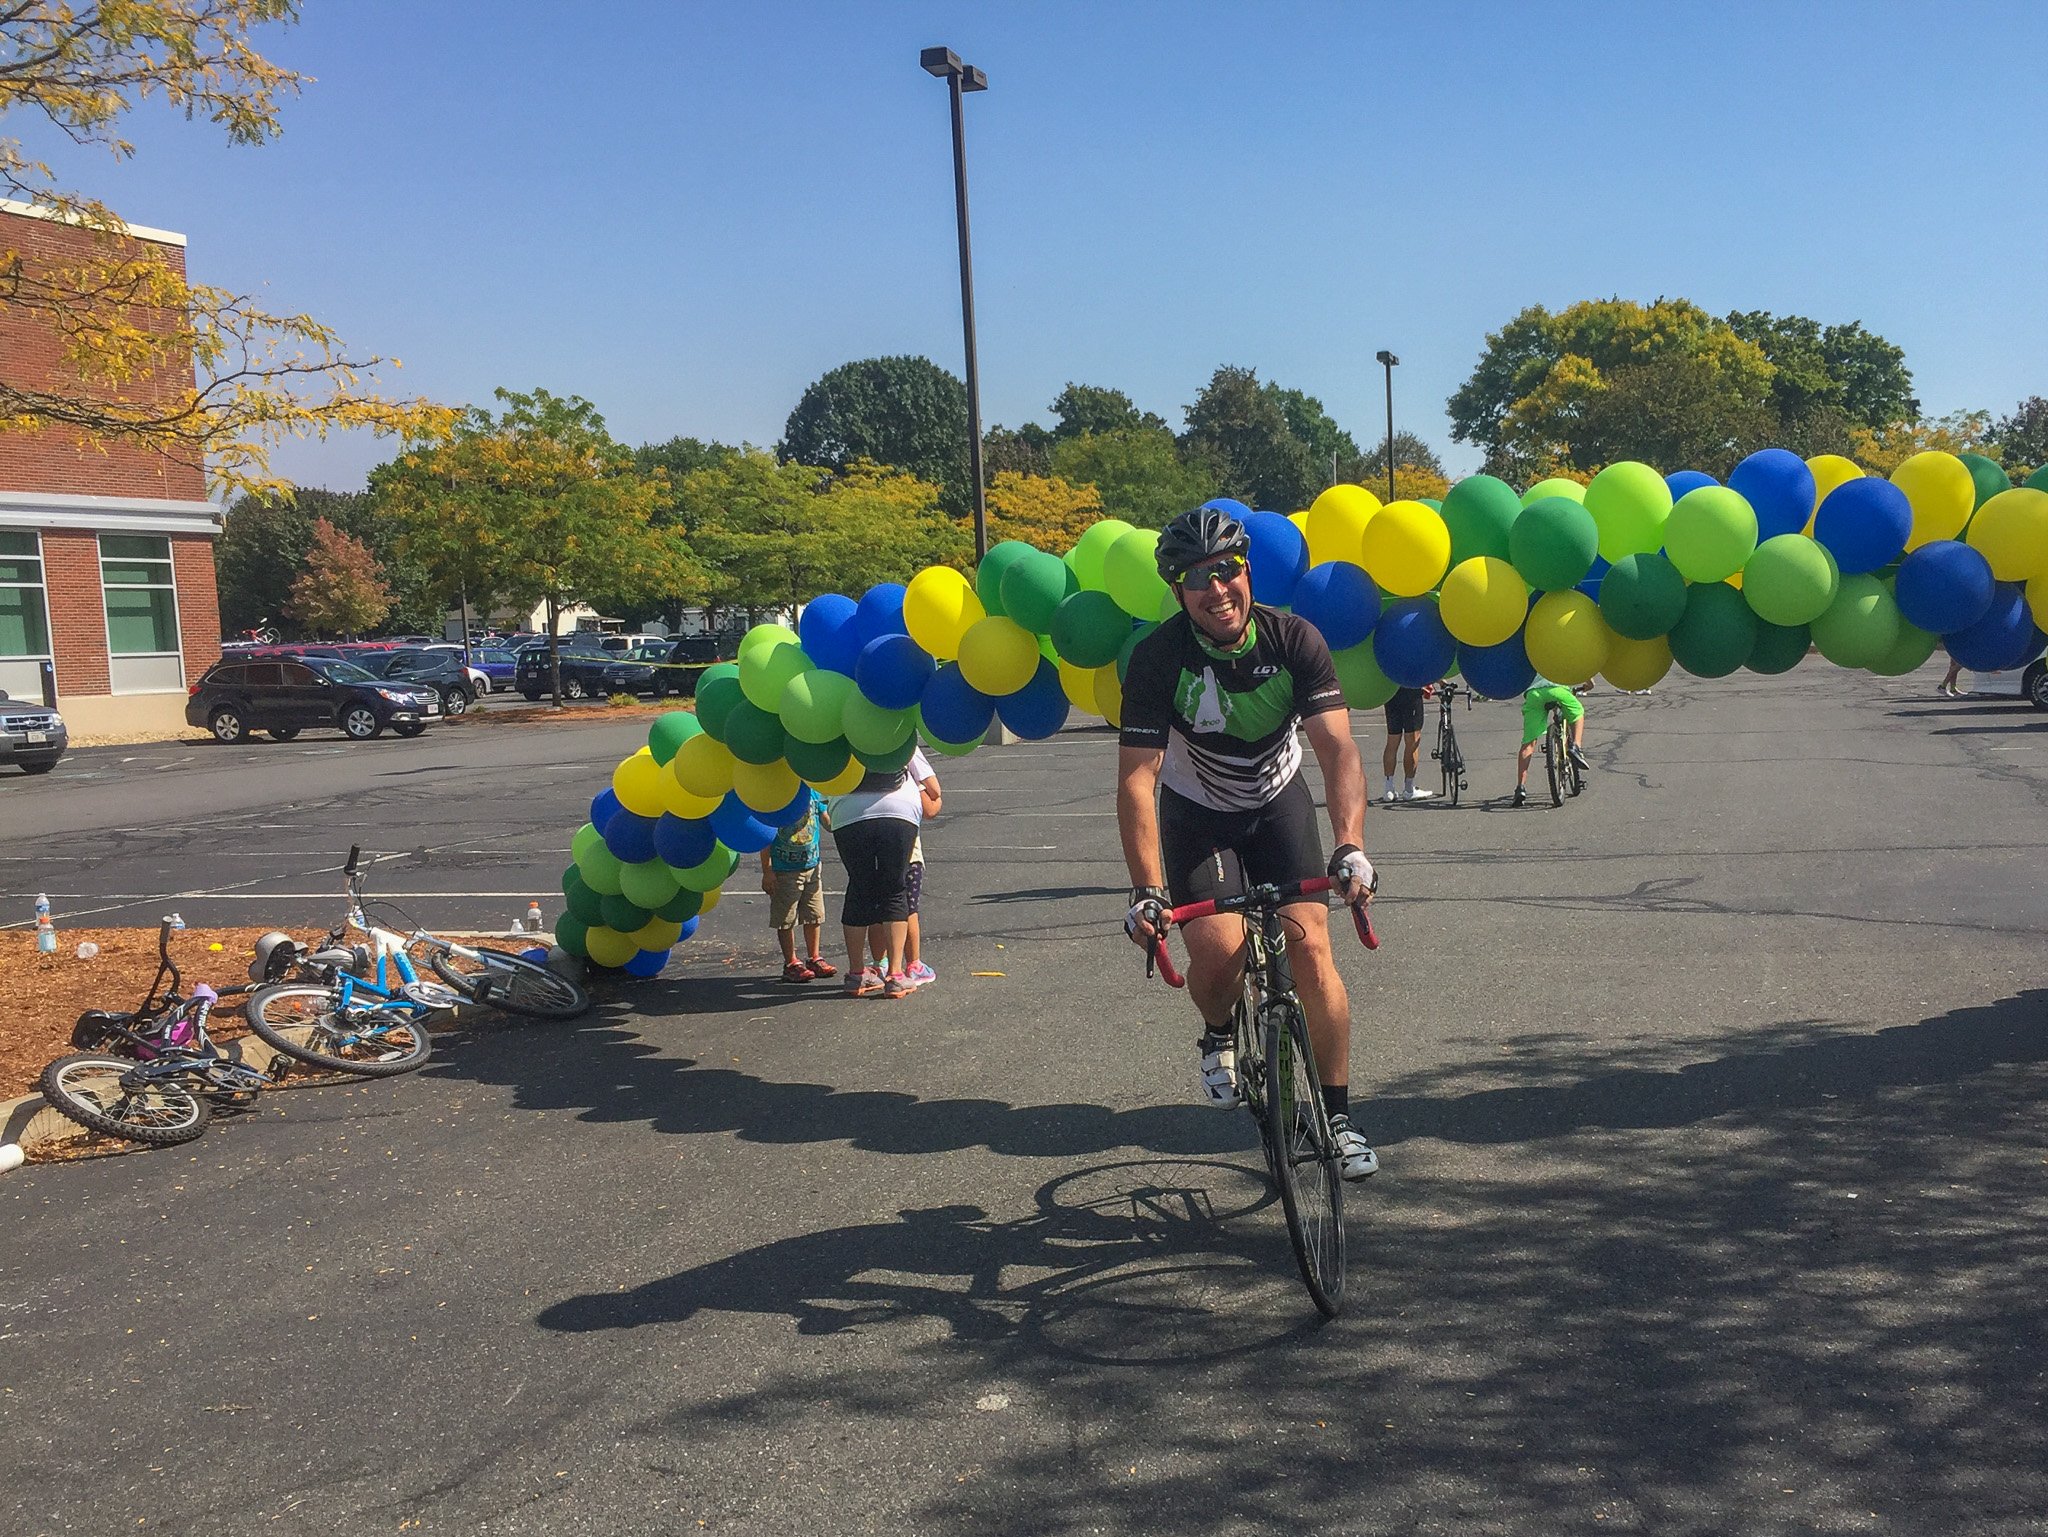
<point>1196,536</point>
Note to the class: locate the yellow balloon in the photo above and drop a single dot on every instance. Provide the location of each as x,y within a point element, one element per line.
<point>1078,684</point>
<point>710,900</point>
<point>656,934</point>
<point>1300,521</point>
<point>938,608</point>
<point>843,781</point>
<point>1636,664</point>
<point>998,655</point>
<point>637,784</point>
<point>1405,549</point>
<point>2037,596</point>
<point>1109,694</point>
<point>1484,601</point>
<point>1829,471</point>
<point>608,947</point>
<point>2011,531</point>
<point>1942,494</point>
<point>763,787</point>
<point>1336,523</point>
<point>1567,639</point>
<point>703,766</point>
<point>680,802</point>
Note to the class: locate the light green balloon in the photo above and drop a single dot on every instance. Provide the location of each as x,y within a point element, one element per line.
<point>1861,625</point>
<point>766,670</point>
<point>1630,503</point>
<point>650,884</point>
<point>950,749</point>
<point>600,869</point>
<point>1091,549</point>
<point>868,728</point>
<point>711,874</point>
<point>1557,485</point>
<point>767,635</point>
<point>1790,580</point>
<point>1131,576</point>
<point>1358,674</point>
<point>813,704</point>
<point>1710,534</point>
<point>586,837</point>
<point>1909,651</point>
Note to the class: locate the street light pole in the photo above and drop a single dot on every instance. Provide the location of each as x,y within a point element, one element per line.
<point>959,78</point>
<point>1389,360</point>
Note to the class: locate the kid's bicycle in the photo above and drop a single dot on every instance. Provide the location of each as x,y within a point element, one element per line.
<point>1565,778</point>
<point>1276,1069</point>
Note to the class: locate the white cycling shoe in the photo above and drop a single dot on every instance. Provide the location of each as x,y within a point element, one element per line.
<point>1355,1159</point>
<point>1219,1073</point>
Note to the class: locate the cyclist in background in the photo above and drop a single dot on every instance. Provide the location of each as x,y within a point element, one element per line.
<point>1211,800</point>
<point>1536,703</point>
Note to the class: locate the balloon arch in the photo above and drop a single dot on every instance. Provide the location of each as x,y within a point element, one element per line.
<point>1622,578</point>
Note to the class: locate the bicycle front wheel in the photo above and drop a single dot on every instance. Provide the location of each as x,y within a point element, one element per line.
<point>305,1022</point>
<point>1303,1154</point>
<point>111,1095</point>
<point>1553,757</point>
<point>512,983</point>
<point>1454,768</point>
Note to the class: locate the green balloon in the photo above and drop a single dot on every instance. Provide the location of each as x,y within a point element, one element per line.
<point>623,913</point>
<point>988,576</point>
<point>582,901</point>
<point>1717,632</point>
<point>2038,481</point>
<point>812,704</point>
<point>1860,626</point>
<point>717,696</point>
<point>1642,596</point>
<point>889,761</point>
<point>1358,674</point>
<point>767,668</point>
<point>1629,502</point>
<point>669,732</point>
<point>570,932</point>
<point>1088,629</point>
<point>1909,651</point>
<point>818,761</point>
<point>1557,485</point>
<point>1790,580</point>
<point>1034,587</point>
<point>1710,534</point>
<point>1091,549</point>
<point>950,749</point>
<point>767,635</point>
<point>600,869</point>
<point>1123,655</point>
<point>1552,544</point>
<point>1779,647</point>
<point>753,734</point>
<point>681,907</point>
<point>586,838</point>
<point>647,884</point>
<point>1989,475</point>
<point>1479,510</point>
<point>871,729</point>
<point>1131,572</point>
<point>711,874</point>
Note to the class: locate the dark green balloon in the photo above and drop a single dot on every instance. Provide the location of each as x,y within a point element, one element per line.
<point>1989,475</point>
<point>583,902</point>
<point>681,907</point>
<point>755,735</point>
<point>623,914</point>
<point>718,691</point>
<point>1553,542</point>
<point>1088,629</point>
<point>570,934</point>
<point>818,760</point>
<point>1642,596</point>
<point>892,760</point>
<point>1479,510</point>
<point>988,576</point>
<point>2038,481</point>
<point>1717,633</point>
<point>1033,588</point>
<point>1779,647</point>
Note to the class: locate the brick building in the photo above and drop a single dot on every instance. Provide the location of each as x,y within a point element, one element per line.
<point>106,550</point>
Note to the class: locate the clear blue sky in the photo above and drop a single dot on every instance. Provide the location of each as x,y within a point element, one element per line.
<point>687,212</point>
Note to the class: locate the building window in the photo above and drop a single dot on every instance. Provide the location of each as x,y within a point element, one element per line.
<point>142,613</point>
<point>24,612</point>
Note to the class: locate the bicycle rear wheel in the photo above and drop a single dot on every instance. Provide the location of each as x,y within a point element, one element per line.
<point>512,983</point>
<point>303,1021</point>
<point>114,1096</point>
<point>1454,767</point>
<point>1553,755</point>
<point>1304,1157</point>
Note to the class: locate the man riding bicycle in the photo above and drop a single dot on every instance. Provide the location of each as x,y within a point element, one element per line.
<point>1210,797</point>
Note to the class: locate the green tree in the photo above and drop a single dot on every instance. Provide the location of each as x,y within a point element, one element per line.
<point>1026,450</point>
<point>1093,408</point>
<point>537,504</point>
<point>1140,474</point>
<point>1239,429</point>
<point>262,548</point>
<point>1330,448</point>
<point>2021,439</point>
<point>339,591</point>
<point>1410,452</point>
<point>902,411</point>
<point>1829,378</point>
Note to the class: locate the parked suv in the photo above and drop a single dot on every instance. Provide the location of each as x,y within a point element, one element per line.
<point>32,736</point>
<point>285,696</point>
<point>586,674</point>
<point>442,671</point>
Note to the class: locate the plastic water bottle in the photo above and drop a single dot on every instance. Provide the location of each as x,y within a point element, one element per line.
<point>533,918</point>
<point>46,933</point>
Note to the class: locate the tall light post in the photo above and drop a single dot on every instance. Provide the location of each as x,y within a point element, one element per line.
<point>945,64</point>
<point>1389,360</point>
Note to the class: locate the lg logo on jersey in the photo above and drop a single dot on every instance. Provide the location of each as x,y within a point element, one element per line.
<point>1265,672</point>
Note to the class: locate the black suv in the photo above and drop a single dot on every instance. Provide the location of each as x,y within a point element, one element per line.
<point>586,674</point>
<point>285,695</point>
<point>32,736</point>
<point>441,671</point>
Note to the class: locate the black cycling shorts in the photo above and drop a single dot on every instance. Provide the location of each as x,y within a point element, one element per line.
<point>1210,853</point>
<point>1404,711</point>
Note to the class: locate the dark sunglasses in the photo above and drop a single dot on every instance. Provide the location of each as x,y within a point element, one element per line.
<point>1228,569</point>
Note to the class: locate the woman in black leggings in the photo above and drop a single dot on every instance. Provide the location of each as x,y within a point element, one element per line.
<point>873,827</point>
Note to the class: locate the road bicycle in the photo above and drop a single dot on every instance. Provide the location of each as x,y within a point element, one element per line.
<point>153,1075</point>
<point>1447,751</point>
<point>1276,1070</point>
<point>1565,778</point>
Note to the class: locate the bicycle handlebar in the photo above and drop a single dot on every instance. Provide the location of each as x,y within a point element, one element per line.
<point>1257,899</point>
<point>355,854</point>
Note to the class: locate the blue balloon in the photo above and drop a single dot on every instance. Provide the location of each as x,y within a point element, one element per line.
<point>1279,557</point>
<point>1229,504</point>
<point>1411,644</point>
<point>1591,585</point>
<point>689,927</point>
<point>953,709</point>
<point>646,963</point>
<point>1499,672</point>
<point>830,632</point>
<point>603,807</point>
<point>1944,587</point>
<point>629,837</point>
<point>1038,709</point>
<point>880,613</point>
<point>683,841</point>
<point>738,828</point>
<point>1338,599</point>
<point>1779,489</point>
<point>798,808</point>
<point>892,671</point>
<point>1864,524</point>
<point>1999,640</point>
<point>1682,481</point>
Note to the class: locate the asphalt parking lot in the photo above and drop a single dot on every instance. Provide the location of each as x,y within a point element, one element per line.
<point>1713,1194</point>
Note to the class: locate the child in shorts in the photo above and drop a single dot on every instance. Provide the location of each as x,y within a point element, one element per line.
<point>795,883</point>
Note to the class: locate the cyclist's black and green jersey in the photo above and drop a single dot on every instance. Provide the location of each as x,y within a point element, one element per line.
<point>1227,720</point>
